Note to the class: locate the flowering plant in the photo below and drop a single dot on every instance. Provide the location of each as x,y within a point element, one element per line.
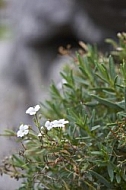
<point>79,137</point>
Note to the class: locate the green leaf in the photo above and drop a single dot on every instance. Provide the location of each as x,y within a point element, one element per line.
<point>95,127</point>
<point>8,132</point>
<point>96,153</point>
<point>18,162</point>
<point>101,77</point>
<point>124,176</point>
<point>115,80</point>
<point>55,91</point>
<point>107,103</point>
<point>112,68</point>
<point>92,118</point>
<point>103,72</point>
<point>118,178</point>
<point>101,179</point>
<point>110,172</point>
<point>123,71</point>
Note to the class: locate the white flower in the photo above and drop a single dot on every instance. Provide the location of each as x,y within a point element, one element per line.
<point>59,123</point>
<point>56,123</point>
<point>23,130</point>
<point>33,110</point>
<point>48,125</point>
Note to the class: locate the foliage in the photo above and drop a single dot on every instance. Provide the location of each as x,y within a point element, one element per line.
<point>90,152</point>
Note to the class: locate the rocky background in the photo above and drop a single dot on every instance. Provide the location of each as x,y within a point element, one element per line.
<point>29,57</point>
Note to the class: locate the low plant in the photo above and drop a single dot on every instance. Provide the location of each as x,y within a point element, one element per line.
<point>78,140</point>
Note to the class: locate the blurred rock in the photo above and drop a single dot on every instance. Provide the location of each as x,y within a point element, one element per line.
<point>40,28</point>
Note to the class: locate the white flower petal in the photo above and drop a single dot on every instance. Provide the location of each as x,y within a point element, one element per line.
<point>37,108</point>
<point>19,134</point>
<point>63,121</point>
<point>59,123</point>
<point>21,127</point>
<point>25,132</point>
<point>55,122</point>
<point>30,111</point>
<point>48,125</point>
<point>26,127</point>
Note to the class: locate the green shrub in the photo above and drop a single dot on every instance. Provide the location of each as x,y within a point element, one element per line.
<point>86,150</point>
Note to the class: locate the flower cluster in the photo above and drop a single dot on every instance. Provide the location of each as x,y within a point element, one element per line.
<point>56,123</point>
<point>24,129</point>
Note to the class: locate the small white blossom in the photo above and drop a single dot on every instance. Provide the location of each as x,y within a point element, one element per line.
<point>56,123</point>
<point>23,130</point>
<point>48,125</point>
<point>33,110</point>
<point>59,123</point>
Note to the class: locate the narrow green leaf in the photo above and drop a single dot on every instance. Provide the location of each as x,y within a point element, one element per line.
<point>106,72</point>
<point>104,88</point>
<point>107,103</point>
<point>18,161</point>
<point>122,114</point>
<point>115,80</point>
<point>118,178</point>
<point>97,153</point>
<point>55,91</point>
<point>112,68</point>
<point>110,172</point>
<point>8,132</point>
<point>95,127</point>
<point>124,177</point>
<point>101,77</point>
<point>101,179</point>
<point>92,118</point>
<point>103,71</point>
